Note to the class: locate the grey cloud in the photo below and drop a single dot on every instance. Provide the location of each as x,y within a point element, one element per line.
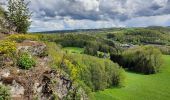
<point>101,9</point>
<point>90,12</point>
<point>98,9</point>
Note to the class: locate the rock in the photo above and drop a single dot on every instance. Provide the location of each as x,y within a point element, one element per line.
<point>33,47</point>
<point>4,73</point>
<point>41,84</point>
<point>16,89</point>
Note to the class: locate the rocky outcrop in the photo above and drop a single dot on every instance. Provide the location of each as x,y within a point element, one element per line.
<point>42,84</point>
<point>35,48</point>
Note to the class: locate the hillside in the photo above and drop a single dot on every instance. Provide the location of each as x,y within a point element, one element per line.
<point>81,65</point>
<point>84,50</point>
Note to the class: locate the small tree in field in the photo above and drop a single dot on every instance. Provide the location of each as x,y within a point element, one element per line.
<point>19,15</point>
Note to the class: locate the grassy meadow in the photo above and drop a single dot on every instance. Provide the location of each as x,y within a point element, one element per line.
<point>141,87</point>
<point>74,50</point>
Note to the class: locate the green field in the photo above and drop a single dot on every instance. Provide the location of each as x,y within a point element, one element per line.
<point>141,87</point>
<point>74,50</point>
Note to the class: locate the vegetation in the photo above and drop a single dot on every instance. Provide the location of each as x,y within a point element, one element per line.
<point>140,36</point>
<point>143,59</point>
<point>164,49</point>
<point>21,37</point>
<point>19,15</point>
<point>55,53</point>
<point>7,47</point>
<point>4,93</point>
<point>96,73</point>
<point>25,61</point>
<point>83,68</point>
<point>2,19</point>
<point>74,50</point>
<point>141,87</point>
<point>7,51</point>
<point>2,12</point>
<point>89,60</point>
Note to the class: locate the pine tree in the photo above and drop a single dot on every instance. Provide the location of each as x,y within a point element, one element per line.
<point>19,15</point>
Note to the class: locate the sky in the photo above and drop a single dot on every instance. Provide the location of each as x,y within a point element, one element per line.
<point>90,14</point>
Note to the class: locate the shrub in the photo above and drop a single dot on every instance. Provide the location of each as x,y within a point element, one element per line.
<point>96,73</point>
<point>25,61</point>
<point>7,52</point>
<point>144,59</point>
<point>21,37</point>
<point>7,47</point>
<point>4,93</point>
<point>164,49</point>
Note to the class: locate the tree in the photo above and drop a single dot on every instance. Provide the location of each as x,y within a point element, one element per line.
<point>1,12</point>
<point>19,15</point>
<point>144,59</point>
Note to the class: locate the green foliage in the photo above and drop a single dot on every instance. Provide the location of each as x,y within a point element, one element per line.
<point>144,59</point>
<point>89,42</point>
<point>55,96</point>
<point>2,18</point>
<point>92,48</point>
<point>55,53</point>
<point>140,36</point>
<point>164,49</point>
<point>4,93</point>
<point>141,87</point>
<point>19,15</point>
<point>7,47</point>
<point>2,12</point>
<point>25,61</point>
<point>71,69</point>
<point>96,73</point>
<point>21,37</point>
<point>74,50</point>
<point>7,51</point>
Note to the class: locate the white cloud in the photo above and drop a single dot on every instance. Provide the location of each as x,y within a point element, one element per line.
<point>161,20</point>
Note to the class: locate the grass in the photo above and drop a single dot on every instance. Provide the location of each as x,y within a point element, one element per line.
<point>74,50</point>
<point>141,87</point>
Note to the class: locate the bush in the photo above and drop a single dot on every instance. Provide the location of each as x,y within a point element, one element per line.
<point>96,73</point>
<point>144,59</point>
<point>7,47</point>
<point>25,61</point>
<point>7,52</point>
<point>164,49</point>
<point>4,93</point>
<point>21,37</point>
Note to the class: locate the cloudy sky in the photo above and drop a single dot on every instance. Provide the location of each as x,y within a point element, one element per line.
<point>83,14</point>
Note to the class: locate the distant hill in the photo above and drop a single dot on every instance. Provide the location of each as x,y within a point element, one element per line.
<point>81,30</point>
<point>158,28</point>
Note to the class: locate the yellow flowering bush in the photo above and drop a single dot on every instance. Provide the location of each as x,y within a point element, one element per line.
<point>7,47</point>
<point>21,37</point>
<point>71,69</point>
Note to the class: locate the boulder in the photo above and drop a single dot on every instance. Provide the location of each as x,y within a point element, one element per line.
<point>33,47</point>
